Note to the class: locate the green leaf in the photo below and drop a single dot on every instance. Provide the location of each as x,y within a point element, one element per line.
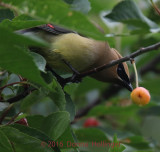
<point>128,12</point>
<point>14,57</point>
<point>104,110</point>
<point>36,134</point>
<point>35,121</point>
<point>116,146</point>
<point>69,1</point>
<point>66,138</point>
<point>138,142</point>
<point>70,107</point>
<point>39,61</point>
<point>151,111</point>
<point>149,128</point>
<point>98,6</point>
<point>81,5</point>
<point>57,12</point>
<point>57,95</point>
<point>147,56</point>
<point>148,84</point>
<point>90,135</point>
<point>31,99</point>
<point>5,144</point>
<point>89,84</point>
<point>121,114</point>
<point>55,124</point>
<point>24,142</point>
<point>6,13</point>
<point>21,22</point>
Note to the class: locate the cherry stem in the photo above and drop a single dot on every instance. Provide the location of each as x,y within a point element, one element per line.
<point>135,70</point>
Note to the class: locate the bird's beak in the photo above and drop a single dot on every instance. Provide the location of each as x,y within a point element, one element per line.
<point>128,86</point>
<point>125,84</point>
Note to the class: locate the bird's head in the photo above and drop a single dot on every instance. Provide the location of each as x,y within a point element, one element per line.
<point>122,74</point>
<point>118,74</point>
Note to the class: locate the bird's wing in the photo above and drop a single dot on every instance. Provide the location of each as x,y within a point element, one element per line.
<point>53,29</point>
<point>49,28</point>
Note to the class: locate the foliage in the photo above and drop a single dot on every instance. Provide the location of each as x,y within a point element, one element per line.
<point>49,109</point>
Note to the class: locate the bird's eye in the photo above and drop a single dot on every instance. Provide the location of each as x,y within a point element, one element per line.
<point>122,73</point>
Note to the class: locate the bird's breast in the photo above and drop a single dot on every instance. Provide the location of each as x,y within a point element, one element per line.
<point>79,51</point>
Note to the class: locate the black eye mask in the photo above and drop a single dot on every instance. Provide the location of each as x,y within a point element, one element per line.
<point>122,73</point>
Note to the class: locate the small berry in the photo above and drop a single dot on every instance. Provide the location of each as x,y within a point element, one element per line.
<point>140,96</point>
<point>91,122</point>
<point>22,121</point>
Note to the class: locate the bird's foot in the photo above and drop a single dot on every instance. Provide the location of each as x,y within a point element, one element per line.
<point>71,67</point>
<point>75,78</point>
<point>62,81</point>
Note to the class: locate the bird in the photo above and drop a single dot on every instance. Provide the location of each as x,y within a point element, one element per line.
<point>81,53</point>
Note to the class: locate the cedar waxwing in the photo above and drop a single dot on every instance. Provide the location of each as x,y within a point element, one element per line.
<point>81,53</point>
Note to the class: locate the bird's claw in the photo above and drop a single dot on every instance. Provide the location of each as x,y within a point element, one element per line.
<point>75,78</point>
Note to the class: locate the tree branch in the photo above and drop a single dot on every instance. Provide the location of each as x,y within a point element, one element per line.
<point>115,62</point>
<point>112,90</point>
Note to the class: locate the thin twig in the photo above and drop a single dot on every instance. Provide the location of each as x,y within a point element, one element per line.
<point>13,118</point>
<point>155,7</point>
<point>19,97</point>
<point>9,7</point>
<point>5,113</point>
<point>21,78</point>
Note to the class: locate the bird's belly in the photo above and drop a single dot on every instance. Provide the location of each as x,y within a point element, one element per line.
<point>78,61</point>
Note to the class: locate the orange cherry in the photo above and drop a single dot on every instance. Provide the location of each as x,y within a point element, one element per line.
<point>140,96</point>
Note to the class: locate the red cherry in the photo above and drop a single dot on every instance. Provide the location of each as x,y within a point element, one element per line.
<point>91,122</point>
<point>22,121</point>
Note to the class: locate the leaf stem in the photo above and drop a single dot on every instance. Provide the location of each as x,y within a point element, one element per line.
<point>7,85</point>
